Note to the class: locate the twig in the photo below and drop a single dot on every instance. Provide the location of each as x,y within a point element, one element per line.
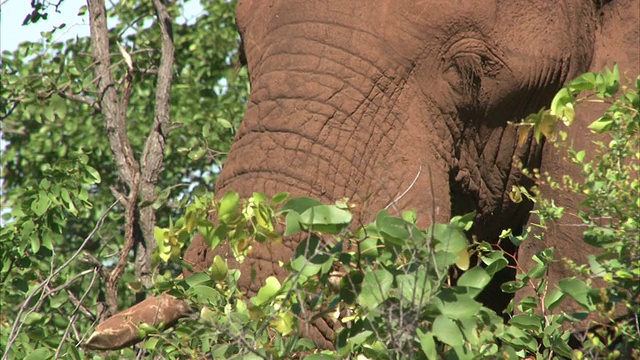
<point>75,314</point>
<point>413,183</point>
<point>79,98</point>
<point>84,309</point>
<point>116,273</point>
<point>17,325</point>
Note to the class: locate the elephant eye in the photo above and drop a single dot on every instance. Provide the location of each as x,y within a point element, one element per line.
<point>469,62</point>
<point>465,74</point>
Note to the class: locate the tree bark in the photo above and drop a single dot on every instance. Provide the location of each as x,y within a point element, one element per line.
<point>140,177</point>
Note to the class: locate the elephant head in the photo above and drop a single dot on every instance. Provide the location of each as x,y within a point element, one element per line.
<point>405,105</point>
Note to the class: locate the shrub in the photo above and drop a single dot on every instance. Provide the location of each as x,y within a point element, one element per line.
<point>390,282</point>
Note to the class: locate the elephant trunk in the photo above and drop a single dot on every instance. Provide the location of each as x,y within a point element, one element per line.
<point>330,130</point>
<point>316,133</point>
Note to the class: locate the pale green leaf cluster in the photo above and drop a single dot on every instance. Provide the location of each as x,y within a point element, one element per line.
<point>58,174</point>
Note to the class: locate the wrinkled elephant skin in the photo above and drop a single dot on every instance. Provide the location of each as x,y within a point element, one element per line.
<point>406,104</point>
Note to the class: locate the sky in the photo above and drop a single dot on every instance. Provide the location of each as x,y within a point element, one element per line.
<point>13,12</point>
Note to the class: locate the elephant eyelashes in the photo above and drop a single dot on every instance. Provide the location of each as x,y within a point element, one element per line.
<point>469,75</point>
<point>467,68</point>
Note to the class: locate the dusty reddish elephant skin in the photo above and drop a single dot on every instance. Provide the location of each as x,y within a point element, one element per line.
<point>411,98</point>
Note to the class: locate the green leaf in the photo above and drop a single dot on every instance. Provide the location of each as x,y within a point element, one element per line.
<point>94,174</point>
<point>444,259</point>
<point>39,354</point>
<point>611,82</point>
<point>300,204</point>
<point>369,248</point>
<point>537,271</point>
<point>327,219</point>
<point>464,222</point>
<point>219,351</point>
<point>375,288</point>
<point>415,286</point>
<point>309,266</point>
<point>47,113</point>
<point>320,356</point>
<point>284,323</point>
<point>228,209</point>
<point>427,344</point>
<point>596,268</point>
<point>292,221</point>
<point>59,106</point>
<point>35,243</point>
<point>279,198</point>
<point>456,304</point>
<point>59,299</point>
<point>360,337</point>
<point>531,322</point>
<point>561,347</point>
<point>20,285</point>
<point>601,125</point>
<point>562,106</point>
<point>151,343</point>
<point>41,204</point>
<point>449,238</point>
<point>477,278</point>
<point>203,293</point>
<point>219,268</point>
<point>267,292</point>
<point>410,216</point>
<point>447,331</point>
<point>553,298</point>
<point>578,290</point>
<point>511,287</point>
<point>519,338</point>
<point>196,154</point>
<point>351,286</point>
<point>225,123</point>
<point>583,82</point>
<point>394,230</point>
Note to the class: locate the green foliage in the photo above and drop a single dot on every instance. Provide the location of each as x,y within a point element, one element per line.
<point>388,285</point>
<point>389,289</point>
<point>610,211</point>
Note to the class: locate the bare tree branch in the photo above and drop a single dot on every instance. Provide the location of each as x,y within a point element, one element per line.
<point>75,314</point>
<point>112,282</point>
<point>114,110</point>
<point>114,115</point>
<point>79,98</point>
<point>153,156</point>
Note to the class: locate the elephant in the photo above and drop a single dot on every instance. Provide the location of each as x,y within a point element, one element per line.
<point>408,103</point>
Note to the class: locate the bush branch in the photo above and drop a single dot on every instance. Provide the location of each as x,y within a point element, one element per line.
<point>18,323</point>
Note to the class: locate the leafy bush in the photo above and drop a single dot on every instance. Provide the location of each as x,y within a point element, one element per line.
<point>610,187</point>
<point>388,284</point>
<point>64,208</point>
<point>390,287</point>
